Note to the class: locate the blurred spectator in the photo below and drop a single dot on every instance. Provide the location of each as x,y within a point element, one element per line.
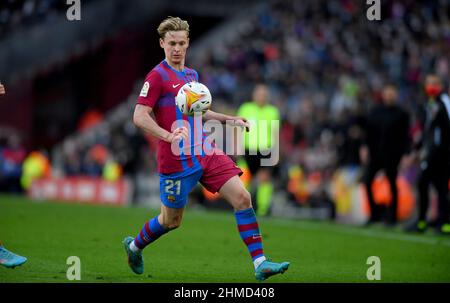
<point>320,61</point>
<point>20,13</point>
<point>12,154</point>
<point>434,155</point>
<point>35,166</point>
<point>324,64</point>
<point>72,163</point>
<point>11,157</point>
<point>387,140</point>
<point>89,119</point>
<point>112,171</point>
<point>94,160</point>
<point>345,97</point>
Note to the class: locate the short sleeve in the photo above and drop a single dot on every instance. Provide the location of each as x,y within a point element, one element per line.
<point>151,90</point>
<point>196,76</point>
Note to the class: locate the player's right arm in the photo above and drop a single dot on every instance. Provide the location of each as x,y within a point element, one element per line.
<point>146,123</point>
<point>148,98</point>
<point>2,89</point>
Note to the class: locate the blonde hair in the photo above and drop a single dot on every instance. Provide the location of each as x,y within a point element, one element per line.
<point>172,24</point>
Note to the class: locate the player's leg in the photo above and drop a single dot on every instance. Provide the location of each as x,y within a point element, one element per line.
<point>262,187</point>
<point>264,191</point>
<point>252,163</point>
<point>10,259</point>
<point>235,193</point>
<point>391,174</point>
<point>423,182</point>
<point>169,219</point>
<point>440,182</point>
<point>423,186</point>
<point>174,193</point>
<point>371,171</point>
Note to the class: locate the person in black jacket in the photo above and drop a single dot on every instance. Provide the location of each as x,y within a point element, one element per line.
<point>387,140</point>
<point>434,155</point>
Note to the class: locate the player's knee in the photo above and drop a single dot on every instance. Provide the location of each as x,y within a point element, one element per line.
<point>244,200</point>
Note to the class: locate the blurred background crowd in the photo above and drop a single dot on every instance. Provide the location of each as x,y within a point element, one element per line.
<point>324,64</point>
<point>17,14</point>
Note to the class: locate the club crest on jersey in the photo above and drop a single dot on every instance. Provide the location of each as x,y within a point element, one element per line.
<point>144,90</point>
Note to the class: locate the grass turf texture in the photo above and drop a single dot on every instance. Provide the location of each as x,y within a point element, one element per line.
<point>207,247</point>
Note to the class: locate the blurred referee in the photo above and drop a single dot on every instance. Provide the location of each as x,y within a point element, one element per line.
<point>258,143</point>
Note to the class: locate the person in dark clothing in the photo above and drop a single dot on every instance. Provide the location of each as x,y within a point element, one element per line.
<point>434,155</point>
<point>387,140</point>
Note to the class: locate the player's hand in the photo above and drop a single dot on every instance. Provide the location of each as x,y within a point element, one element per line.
<point>178,134</point>
<point>2,89</point>
<point>239,121</point>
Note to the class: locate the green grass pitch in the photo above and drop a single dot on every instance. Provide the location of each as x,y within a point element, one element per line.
<point>207,247</point>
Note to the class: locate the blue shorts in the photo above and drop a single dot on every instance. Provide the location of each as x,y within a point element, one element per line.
<point>175,188</point>
<point>213,172</point>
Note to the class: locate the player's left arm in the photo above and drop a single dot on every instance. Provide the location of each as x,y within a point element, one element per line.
<point>234,120</point>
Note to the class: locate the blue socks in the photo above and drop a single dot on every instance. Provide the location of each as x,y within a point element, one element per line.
<point>151,231</point>
<point>249,231</point>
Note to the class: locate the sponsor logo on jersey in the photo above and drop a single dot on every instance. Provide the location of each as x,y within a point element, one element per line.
<point>144,90</point>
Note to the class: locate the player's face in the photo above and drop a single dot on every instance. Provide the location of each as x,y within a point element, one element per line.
<point>175,45</point>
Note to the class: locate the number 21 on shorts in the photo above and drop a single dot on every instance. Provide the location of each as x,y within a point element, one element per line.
<point>169,187</point>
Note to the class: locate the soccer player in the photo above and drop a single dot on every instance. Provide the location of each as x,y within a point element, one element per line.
<point>179,174</point>
<point>7,258</point>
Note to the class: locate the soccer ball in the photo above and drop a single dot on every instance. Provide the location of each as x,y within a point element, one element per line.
<point>192,98</point>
